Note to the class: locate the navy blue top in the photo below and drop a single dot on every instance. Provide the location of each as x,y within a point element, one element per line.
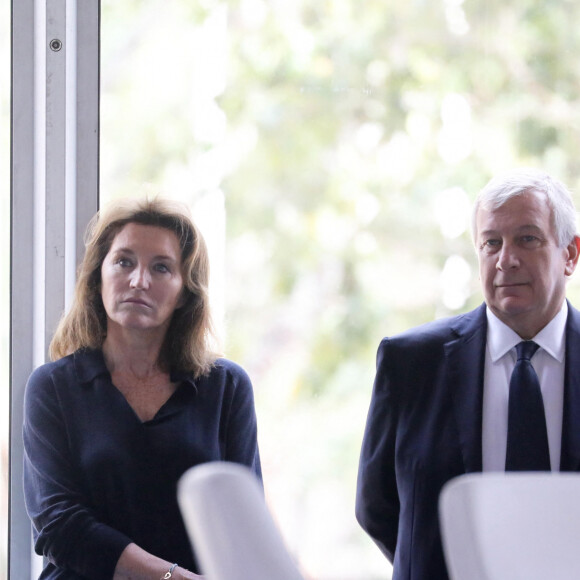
<point>97,478</point>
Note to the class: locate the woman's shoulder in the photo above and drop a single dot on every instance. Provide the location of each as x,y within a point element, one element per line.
<point>228,366</point>
<point>79,366</point>
<point>226,373</point>
<point>46,370</point>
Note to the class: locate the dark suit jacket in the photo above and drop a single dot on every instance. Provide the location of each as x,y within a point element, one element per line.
<point>424,428</point>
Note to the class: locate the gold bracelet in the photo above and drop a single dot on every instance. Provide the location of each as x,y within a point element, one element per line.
<point>169,573</point>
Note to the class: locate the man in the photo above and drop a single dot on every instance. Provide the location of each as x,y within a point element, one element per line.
<point>440,400</point>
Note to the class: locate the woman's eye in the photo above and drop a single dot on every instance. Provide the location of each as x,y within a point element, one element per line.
<point>124,262</point>
<point>161,268</point>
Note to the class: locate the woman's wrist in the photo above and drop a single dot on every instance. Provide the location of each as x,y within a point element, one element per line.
<point>169,573</point>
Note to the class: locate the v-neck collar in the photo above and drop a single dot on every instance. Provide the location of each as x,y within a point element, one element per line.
<point>90,364</point>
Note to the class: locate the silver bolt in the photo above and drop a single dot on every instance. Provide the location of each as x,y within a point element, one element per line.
<point>55,45</point>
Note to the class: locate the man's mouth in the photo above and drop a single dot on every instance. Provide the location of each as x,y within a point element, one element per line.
<point>511,285</point>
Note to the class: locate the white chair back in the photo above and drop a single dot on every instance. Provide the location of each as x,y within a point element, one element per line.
<point>512,526</point>
<point>230,527</point>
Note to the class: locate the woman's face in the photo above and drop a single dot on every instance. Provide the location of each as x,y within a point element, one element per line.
<point>141,280</point>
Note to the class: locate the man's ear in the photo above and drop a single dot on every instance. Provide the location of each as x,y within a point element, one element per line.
<point>573,250</point>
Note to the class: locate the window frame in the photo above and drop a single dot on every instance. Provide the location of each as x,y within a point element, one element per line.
<point>54,192</point>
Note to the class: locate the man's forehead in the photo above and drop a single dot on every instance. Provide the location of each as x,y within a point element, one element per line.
<point>526,212</point>
<point>520,229</point>
<point>517,208</point>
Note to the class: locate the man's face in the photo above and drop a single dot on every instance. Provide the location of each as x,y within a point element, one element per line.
<point>522,270</point>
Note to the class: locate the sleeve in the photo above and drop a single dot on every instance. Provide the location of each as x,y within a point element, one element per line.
<point>377,499</point>
<point>241,438</point>
<point>66,531</point>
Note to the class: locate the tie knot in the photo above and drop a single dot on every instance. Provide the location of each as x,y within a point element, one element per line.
<point>526,349</point>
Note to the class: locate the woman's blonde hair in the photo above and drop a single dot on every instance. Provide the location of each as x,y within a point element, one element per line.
<point>187,345</point>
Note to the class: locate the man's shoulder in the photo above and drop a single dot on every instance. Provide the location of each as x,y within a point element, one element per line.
<point>573,314</point>
<point>441,330</point>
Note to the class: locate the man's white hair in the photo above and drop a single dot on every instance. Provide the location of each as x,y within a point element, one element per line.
<point>516,182</point>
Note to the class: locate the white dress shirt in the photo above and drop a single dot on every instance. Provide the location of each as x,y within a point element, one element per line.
<point>500,359</point>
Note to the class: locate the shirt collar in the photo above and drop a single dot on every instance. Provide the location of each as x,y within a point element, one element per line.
<point>501,338</point>
<point>90,363</point>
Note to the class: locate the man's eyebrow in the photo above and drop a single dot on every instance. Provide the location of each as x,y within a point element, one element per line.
<point>524,228</point>
<point>487,233</point>
<point>530,228</point>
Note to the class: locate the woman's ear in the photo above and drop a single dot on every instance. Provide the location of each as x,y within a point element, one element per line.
<point>183,298</point>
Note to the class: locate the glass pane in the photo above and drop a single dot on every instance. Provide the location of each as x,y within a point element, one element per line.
<point>338,147</point>
<point>4,274</point>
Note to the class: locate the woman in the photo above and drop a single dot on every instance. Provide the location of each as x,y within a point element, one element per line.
<point>133,398</point>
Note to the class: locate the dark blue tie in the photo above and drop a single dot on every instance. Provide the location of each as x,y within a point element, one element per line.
<point>527,439</point>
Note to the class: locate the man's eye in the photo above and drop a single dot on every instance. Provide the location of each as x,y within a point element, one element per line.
<point>491,244</point>
<point>529,239</point>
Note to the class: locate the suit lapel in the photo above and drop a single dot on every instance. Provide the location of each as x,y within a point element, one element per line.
<point>465,359</point>
<point>570,456</point>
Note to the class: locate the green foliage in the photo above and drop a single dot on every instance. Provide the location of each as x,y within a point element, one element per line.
<point>347,127</point>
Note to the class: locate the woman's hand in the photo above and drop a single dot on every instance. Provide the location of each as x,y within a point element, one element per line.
<point>137,564</point>
<point>183,574</point>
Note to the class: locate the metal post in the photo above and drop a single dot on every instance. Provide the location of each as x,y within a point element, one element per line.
<point>54,191</point>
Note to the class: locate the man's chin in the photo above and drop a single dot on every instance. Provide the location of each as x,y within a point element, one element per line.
<point>511,306</point>
<point>514,290</point>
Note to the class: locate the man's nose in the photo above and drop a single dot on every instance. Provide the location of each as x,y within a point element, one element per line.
<point>507,257</point>
<point>140,278</point>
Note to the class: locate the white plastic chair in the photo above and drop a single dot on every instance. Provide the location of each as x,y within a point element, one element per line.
<point>230,527</point>
<point>514,526</point>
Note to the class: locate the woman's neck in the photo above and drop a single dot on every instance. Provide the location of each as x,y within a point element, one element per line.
<point>134,353</point>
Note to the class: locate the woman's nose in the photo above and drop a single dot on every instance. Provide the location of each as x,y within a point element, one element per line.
<point>140,278</point>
